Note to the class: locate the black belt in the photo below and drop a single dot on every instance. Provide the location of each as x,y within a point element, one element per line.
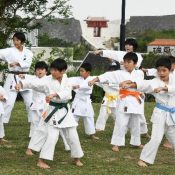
<point>17,72</point>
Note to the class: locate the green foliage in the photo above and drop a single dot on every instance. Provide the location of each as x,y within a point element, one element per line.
<point>97,95</point>
<point>144,38</point>
<point>149,60</point>
<point>80,51</point>
<point>30,11</point>
<point>35,59</point>
<point>64,53</point>
<point>45,41</point>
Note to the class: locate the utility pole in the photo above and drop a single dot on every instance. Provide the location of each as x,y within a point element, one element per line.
<point>122,27</point>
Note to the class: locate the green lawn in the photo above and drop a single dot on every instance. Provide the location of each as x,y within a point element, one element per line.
<point>98,159</point>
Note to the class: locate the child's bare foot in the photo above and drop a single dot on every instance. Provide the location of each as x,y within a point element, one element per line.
<point>3,141</point>
<point>115,148</point>
<point>29,152</point>
<point>141,146</point>
<point>42,164</point>
<point>78,162</point>
<point>94,137</point>
<point>167,145</point>
<point>142,163</point>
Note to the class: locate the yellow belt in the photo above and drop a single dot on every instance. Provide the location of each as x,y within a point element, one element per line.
<point>110,97</point>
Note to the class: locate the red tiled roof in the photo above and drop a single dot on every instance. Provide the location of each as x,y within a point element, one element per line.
<point>162,42</point>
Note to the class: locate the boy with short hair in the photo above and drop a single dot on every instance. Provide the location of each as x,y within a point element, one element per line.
<point>129,108</point>
<point>163,119</point>
<point>58,116</point>
<point>82,105</point>
<point>38,99</point>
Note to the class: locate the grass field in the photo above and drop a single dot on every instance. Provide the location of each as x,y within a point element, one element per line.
<point>98,159</point>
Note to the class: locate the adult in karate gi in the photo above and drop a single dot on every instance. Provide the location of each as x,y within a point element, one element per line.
<point>19,60</point>
<point>130,46</point>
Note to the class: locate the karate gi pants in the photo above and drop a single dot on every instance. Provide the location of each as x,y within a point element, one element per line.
<point>123,120</point>
<point>34,121</point>
<point>89,125</point>
<point>103,117</point>
<point>46,137</point>
<point>12,94</point>
<point>2,133</point>
<point>149,151</point>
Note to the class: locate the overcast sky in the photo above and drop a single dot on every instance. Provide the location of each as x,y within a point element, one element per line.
<point>111,9</point>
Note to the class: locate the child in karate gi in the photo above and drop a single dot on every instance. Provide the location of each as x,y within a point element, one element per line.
<point>129,108</point>
<point>39,103</point>
<point>163,119</point>
<point>19,60</point>
<point>82,105</point>
<point>153,72</point>
<point>109,102</point>
<point>3,98</point>
<point>130,46</point>
<point>58,117</point>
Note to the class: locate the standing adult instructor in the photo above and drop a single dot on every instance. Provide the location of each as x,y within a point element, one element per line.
<point>19,60</point>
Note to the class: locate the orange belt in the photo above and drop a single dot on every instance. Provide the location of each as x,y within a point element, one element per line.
<point>124,93</point>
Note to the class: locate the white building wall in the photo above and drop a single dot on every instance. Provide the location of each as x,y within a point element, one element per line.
<point>113,30</point>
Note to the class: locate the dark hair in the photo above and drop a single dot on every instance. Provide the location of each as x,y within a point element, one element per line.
<point>131,56</point>
<point>59,64</point>
<point>132,42</point>
<point>20,36</point>
<point>87,67</point>
<point>164,61</point>
<point>115,65</point>
<point>172,59</point>
<point>41,65</point>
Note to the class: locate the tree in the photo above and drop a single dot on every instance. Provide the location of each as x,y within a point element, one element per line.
<point>23,14</point>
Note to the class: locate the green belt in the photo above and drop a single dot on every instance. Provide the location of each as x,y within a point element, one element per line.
<point>57,106</point>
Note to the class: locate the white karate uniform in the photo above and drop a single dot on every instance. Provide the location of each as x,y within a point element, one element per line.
<point>82,104</point>
<point>37,106</point>
<point>162,122</point>
<point>24,58</point>
<point>46,145</point>
<point>108,106</point>
<point>118,56</point>
<point>4,94</point>
<point>129,110</point>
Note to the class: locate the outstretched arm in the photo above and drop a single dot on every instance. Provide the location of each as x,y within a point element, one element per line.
<point>35,84</point>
